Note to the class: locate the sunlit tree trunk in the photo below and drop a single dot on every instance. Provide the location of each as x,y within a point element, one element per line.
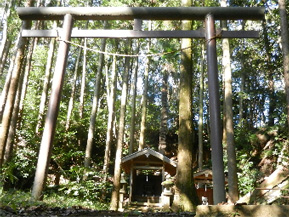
<point>120,137</point>
<point>111,116</point>
<point>133,104</point>
<point>285,49</point>
<point>242,81</point>
<point>201,111</point>
<point>186,196</point>
<point>73,87</point>
<point>144,108</point>
<point>229,128</point>
<point>4,56</point>
<point>83,82</point>
<point>13,123</point>
<point>5,89</point>
<point>144,101</point>
<point>25,79</point>
<point>241,94</point>
<point>5,42</point>
<point>4,18</point>
<point>92,122</point>
<point>45,89</point>
<point>164,114</point>
<point>13,89</point>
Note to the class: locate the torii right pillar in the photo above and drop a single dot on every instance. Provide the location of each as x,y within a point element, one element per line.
<point>219,194</point>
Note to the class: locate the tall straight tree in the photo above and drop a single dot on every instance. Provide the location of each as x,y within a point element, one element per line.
<point>201,111</point>
<point>13,88</point>
<point>133,109</point>
<point>285,49</point>
<point>5,55</point>
<point>137,27</point>
<point>185,188</point>
<point>5,42</point>
<point>83,80</point>
<point>242,82</point>
<point>164,113</point>
<point>14,118</point>
<point>229,128</point>
<point>73,87</point>
<point>46,81</point>
<point>110,119</point>
<point>120,136</point>
<point>93,114</point>
<point>144,100</point>
<point>6,86</point>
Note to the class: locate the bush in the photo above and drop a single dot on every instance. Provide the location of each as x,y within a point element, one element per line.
<point>93,188</point>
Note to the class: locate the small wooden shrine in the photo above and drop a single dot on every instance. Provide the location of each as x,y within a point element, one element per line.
<point>147,170</point>
<point>204,186</point>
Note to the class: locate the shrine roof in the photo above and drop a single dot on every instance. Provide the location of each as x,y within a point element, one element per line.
<point>147,159</point>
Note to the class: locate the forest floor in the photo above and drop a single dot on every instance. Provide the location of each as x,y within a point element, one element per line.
<point>80,212</point>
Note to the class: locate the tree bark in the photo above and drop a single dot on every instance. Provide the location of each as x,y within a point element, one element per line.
<point>73,87</point>
<point>242,86</point>
<point>201,111</point>
<point>12,90</point>
<point>285,49</point>
<point>120,137</point>
<point>110,120</point>
<point>45,89</point>
<point>229,128</point>
<point>5,42</point>
<point>164,114</point>
<point>25,79</point>
<point>185,188</point>
<point>4,56</point>
<point>133,109</point>
<point>87,159</point>
<point>144,101</point>
<point>5,89</point>
<point>14,118</point>
<point>83,78</point>
<point>5,16</point>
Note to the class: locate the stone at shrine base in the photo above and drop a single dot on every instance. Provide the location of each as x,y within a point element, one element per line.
<point>166,199</point>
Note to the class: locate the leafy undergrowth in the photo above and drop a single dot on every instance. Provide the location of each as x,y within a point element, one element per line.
<point>18,203</point>
<point>14,203</point>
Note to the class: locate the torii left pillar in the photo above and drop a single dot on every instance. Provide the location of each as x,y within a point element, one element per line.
<point>53,108</point>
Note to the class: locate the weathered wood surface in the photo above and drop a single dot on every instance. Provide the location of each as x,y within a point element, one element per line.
<point>138,34</point>
<point>146,13</point>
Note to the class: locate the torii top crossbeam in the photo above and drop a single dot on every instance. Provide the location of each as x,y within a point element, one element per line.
<point>145,13</point>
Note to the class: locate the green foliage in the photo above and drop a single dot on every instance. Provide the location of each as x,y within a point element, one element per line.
<point>91,188</point>
<point>19,172</point>
<point>18,200</point>
<point>248,175</point>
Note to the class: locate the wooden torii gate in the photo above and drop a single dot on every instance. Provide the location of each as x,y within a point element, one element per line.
<point>208,14</point>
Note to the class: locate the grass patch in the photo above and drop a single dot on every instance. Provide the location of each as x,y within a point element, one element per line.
<point>16,200</point>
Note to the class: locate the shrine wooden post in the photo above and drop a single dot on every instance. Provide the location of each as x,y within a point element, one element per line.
<point>208,14</point>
